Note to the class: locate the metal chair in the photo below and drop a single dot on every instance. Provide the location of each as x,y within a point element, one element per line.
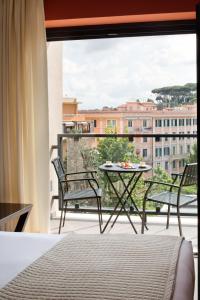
<point>67,194</point>
<point>170,197</point>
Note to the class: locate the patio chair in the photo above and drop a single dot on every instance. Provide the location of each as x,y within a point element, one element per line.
<point>173,196</point>
<point>66,180</point>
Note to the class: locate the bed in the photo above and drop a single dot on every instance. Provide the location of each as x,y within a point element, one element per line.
<point>18,251</point>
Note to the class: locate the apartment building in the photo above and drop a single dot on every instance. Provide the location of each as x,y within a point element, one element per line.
<point>142,118</point>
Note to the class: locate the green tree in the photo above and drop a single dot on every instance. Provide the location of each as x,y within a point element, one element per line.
<point>193,154</point>
<point>177,95</point>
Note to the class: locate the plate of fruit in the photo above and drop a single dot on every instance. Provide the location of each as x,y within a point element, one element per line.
<point>126,165</point>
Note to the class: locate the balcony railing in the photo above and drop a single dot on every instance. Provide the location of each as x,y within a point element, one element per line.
<point>78,153</point>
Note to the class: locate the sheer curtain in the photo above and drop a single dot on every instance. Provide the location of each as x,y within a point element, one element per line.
<point>24,154</point>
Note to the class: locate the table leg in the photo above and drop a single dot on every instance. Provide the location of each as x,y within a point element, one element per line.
<point>21,222</point>
<point>130,192</point>
<point>119,202</point>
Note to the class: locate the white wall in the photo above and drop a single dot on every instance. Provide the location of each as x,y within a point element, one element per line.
<point>55,91</point>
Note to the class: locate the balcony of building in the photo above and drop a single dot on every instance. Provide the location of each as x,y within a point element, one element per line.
<point>81,152</point>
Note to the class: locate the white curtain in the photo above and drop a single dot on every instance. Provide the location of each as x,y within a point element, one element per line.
<point>24,154</point>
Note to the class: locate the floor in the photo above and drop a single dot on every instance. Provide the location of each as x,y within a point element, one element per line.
<point>87,223</point>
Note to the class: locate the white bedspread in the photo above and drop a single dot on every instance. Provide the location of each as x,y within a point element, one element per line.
<point>18,250</point>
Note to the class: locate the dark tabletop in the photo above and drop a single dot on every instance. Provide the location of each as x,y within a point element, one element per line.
<point>116,168</point>
<point>8,209</point>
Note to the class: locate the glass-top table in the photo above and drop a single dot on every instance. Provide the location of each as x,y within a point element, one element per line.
<point>135,172</point>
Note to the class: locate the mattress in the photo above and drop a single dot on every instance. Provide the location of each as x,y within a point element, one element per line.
<point>18,250</point>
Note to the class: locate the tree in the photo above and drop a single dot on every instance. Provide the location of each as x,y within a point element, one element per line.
<point>193,154</point>
<point>177,95</point>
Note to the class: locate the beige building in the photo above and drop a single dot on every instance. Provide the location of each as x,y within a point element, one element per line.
<point>143,118</point>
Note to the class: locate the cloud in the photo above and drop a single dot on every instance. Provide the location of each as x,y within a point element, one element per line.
<point>112,71</point>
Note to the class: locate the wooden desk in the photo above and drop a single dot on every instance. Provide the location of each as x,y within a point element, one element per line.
<point>11,211</point>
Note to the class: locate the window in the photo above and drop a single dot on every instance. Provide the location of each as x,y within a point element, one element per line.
<point>173,150</point>
<point>181,122</point>
<point>130,123</point>
<point>188,133</point>
<point>188,122</point>
<point>166,138</point>
<point>188,149</point>
<point>181,163</point>
<point>181,138</point>
<point>95,123</point>
<point>144,123</point>
<point>158,139</point>
<point>174,164</point>
<point>144,152</point>
<point>145,139</point>
<point>158,123</point>
<point>158,152</point>
<point>111,123</point>
<point>166,151</point>
<point>181,149</point>
<point>166,123</point>
<point>166,165</point>
<point>174,138</point>
<point>174,122</point>
<point>195,121</point>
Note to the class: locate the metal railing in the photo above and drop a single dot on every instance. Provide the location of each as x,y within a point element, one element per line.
<point>78,136</point>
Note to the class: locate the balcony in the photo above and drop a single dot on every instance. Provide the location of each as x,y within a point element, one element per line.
<point>81,152</point>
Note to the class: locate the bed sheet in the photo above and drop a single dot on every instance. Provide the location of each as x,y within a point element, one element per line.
<point>18,250</point>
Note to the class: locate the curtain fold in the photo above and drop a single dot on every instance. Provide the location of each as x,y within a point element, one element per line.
<point>24,144</point>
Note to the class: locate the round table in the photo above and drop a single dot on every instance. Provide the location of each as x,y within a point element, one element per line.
<point>136,172</point>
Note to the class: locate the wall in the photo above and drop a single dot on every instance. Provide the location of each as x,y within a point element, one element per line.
<point>54,55</point>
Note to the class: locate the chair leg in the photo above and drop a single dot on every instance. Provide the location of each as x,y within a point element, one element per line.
<point>100,211</point>
<point>168,215</point>
<point>99,214</point>
<point>143,216</point>
<point>65,214</point>
<point>60,222</point>
<point>179,221</point>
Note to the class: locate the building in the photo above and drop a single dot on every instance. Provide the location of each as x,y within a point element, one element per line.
<point>143,118</point>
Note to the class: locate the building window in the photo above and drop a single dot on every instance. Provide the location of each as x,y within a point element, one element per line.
<point>174,138</point>
<point>166,165</point>
<point>173,150</point>
<point>188,122</point>
<point>158,139</point>
<point>144,152</point>
<point>111,123</point>
<point>158,152</point>
<point>174,164</point>
<point>144,123</point>
<point>166,123</point>
<point>188,133</point>
<point>181,149</point>
<point>158,123</point>
<point>166,138</point>
<point>174,122</point>
<point>188,149</point>
<point>194,121</point>
<point>95,123</point>
<point>166,151</point>
<point>130,123</point>
<point>181,122</point>
<point>145,139</point>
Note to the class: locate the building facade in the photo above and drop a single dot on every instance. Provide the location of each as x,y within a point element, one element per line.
<point>142,118</point>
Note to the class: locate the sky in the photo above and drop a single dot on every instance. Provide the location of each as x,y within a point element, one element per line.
<point>110,72</point>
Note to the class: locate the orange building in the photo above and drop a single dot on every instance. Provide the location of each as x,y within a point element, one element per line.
<point>144,117</point>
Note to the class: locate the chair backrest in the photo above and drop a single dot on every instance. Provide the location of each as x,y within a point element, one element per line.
<point>189,175</point>
<point>59,168</point>
<point>61,176</point>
